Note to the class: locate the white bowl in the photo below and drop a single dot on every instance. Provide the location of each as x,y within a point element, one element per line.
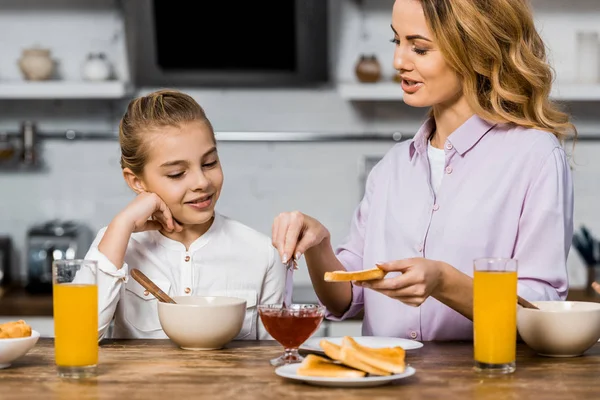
<point>11,349</point>
<point>560,328</point>
<point>202,322</point>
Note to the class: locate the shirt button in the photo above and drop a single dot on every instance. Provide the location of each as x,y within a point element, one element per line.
<point>449,146</point>
<point>146,293</point>
<point>187,290</point>
<point>436,207</point>
<point>448,169</point>
<point>414,335</point>
<point>187,258</point>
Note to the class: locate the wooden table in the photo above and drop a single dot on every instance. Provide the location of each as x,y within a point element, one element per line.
<point>148,369</point>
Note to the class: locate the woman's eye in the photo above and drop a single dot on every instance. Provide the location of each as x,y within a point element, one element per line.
<point>175,176</point>
<point>209,165</point>
<point>395,41</point>
<point>419,51</point>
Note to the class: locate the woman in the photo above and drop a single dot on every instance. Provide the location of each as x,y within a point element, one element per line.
<point>485,175</point>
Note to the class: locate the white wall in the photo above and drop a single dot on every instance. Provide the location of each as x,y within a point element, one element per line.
<point>323,179</point>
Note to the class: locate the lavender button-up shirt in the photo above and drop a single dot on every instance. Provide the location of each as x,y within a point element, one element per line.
<point>506,192</point>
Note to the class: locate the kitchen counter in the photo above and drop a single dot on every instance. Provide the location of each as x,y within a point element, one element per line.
<point>146,369</point>
<point>19,303</point>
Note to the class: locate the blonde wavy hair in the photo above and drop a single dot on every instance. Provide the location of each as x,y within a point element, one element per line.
<point>150,113</point>
<point>496,50</point>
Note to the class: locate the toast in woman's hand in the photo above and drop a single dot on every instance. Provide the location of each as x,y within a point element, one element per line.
<point>14,329</point>
<point>314,365</point>
<point>347,276</point>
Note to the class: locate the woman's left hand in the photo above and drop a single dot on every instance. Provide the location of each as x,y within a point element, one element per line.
<point>420,279</point>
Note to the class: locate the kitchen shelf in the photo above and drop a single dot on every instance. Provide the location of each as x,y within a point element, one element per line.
<point>64,90</point>
<point>391,91</point>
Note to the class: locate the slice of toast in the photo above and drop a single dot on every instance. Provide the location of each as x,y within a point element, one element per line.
<point>389,359</point>
<point>348,276</point>
<point>314,365</point>
<point>347,356</point>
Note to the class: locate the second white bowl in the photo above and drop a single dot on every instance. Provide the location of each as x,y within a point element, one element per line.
<point>560,328</point>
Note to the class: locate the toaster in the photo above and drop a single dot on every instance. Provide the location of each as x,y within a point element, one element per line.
<point>53,240</point>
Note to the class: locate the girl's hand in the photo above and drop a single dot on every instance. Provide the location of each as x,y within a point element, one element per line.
<point>148,212</point>
<point>420,279</point>
<point>294,233</point>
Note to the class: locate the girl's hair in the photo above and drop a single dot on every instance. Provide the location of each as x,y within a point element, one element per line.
<point>495,48</point>
<point>148,114</point>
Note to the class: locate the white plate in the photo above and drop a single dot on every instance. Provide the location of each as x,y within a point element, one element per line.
<point>369,341</point>
<point>289,372</point>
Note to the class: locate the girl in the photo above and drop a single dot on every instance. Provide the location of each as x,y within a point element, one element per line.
<point>171,231</point>
<point>485,176</point>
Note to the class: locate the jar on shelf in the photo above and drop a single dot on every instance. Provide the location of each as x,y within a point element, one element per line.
<point>36,64</point>
<point>588,57</point>
<point>368,69</point>
<point>96,67</point>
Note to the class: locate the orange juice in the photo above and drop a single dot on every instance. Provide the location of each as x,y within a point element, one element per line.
<point>495,316</point>
<point>75,324</point>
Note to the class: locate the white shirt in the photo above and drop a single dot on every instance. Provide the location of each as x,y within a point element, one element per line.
<point>437,163</point>
<point>230,259</point>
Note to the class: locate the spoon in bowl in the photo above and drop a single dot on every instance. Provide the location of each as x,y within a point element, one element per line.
<point>524,303</point>
<point>150,286</point>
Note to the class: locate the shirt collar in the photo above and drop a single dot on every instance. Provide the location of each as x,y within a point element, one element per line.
<point>462,139</point>
<point>164,241</point>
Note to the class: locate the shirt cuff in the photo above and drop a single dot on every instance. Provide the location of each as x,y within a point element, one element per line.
<point>537,291</point>
<point>356,305</point>
<point>107,267</point>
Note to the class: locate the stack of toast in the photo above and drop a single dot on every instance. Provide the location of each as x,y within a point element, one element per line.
<point>352,360</point>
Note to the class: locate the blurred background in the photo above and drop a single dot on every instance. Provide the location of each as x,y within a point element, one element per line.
<point>304,103</point>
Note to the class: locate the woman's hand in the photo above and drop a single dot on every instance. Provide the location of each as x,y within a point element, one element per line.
<point>420,279</point>
<point>596,287</point>
<point>148,212</point>
<point>294,233</point>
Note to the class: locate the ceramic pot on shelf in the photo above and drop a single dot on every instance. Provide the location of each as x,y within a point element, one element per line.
<point>368,69</point>
<point>96,67</point>
<point>36,64</point>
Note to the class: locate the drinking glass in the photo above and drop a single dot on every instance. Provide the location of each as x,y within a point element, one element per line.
<point>495,315</point>
<point>75,301</point>
<point>291,326</point>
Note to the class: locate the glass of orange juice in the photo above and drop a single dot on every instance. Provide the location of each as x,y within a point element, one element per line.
<point>495,315</point>
<point>75,298</point>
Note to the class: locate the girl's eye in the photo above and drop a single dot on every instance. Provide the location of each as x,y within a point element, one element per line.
<point>210,165</point>
<point>395,41</point>
<point>175,176</point>
<point>420,51</point>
